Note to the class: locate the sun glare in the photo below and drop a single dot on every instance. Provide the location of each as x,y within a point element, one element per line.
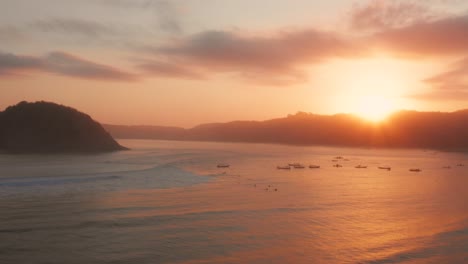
<point>374,108</point>
<point>370,88</point>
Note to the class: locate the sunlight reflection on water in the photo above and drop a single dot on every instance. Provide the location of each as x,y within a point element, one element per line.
<point>166,202</point>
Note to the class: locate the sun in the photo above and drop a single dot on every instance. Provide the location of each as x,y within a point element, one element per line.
<point>371,88</point>
<point>374,108</point>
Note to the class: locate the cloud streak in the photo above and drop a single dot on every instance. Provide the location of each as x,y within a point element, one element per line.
<point>168,70</point>
<point>60,63</point>
<point>70,65</point>
<point>69,26</point>
<point>384,14</point>
<point>446,36</point>
<point>279,56</point>
<point>451,85</point>
<point>455,78</point>
<point>438,95</point>
<point>412,29</point>
<point>11,64</point>
<point>165,12</point>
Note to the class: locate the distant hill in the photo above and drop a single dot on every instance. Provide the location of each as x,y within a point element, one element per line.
<point>403,129</point>
<point>44,127</point>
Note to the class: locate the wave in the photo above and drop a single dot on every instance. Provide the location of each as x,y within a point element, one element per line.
<point>57,181</point>
<point>450,243</point>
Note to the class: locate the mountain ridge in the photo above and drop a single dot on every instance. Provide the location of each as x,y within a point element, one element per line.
<point>403,129</point>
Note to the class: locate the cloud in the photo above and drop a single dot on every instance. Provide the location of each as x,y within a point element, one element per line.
<point>455,78</point>
<point>60,63</point>
<point>439,95</point>
<point>70,65</point>
<point>61,32</point>
<point>11,34</point>
<point>401,31</point>
<point>280,56</point>
<point>274,58</point>
<point>168,17</point>
<point>166,12</point>
<point>384,14</point>
<point>69,26</point>
<point>11,63</point>
<point>445,36</point>
<point>450,85</point>
<point>170,70</point>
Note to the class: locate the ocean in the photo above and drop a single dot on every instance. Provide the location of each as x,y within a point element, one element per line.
<point>168,202</point>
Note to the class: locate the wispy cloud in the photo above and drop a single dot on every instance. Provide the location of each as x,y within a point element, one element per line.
<point>410,29</point>
<point>439,95</point>
<point>281,55</point>
<point>385,14</point>
<point>455,78</point>
<point>11,34</point>
<point>70,65</point>
<point>11,64</point>
<point>168,17</point>
<point>450,85</point>
<point>60,63</point>
<point>168,70</point>
<point>165,12</point>
<point>69,26</point>
<point>447,36</point>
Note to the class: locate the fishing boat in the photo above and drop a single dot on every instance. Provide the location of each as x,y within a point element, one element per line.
<point>314,166</point>
<point>299,166</point>
<point>337,165</point>
<point>415,170</point>
<point>283,167</point>
<point>223,165</point>
<point>361,167</point>
<point>384,168</point>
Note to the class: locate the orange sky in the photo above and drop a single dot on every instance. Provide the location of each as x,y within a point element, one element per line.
<point>185,62</point>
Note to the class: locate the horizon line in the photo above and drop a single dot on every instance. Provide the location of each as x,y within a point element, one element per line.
<point>357,116</point>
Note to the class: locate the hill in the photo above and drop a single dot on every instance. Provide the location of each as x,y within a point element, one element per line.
<point>44,127</point>
<point>404,129</point>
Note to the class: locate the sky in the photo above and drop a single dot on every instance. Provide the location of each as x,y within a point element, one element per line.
<point>187,62</point>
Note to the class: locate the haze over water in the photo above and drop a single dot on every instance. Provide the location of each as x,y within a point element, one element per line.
<point>167,202</point>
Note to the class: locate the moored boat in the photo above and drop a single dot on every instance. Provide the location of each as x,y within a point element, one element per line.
<point>360,167</point>
<point>415,170</point>
<point>283,167</point>
<point>384,168</point>
<point>314,166</point>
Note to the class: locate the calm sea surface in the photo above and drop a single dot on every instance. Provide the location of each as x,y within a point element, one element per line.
<point>167,202</point>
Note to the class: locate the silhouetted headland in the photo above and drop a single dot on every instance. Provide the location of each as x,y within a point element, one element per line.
<point>404,129</point>
<point>44,127</point>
